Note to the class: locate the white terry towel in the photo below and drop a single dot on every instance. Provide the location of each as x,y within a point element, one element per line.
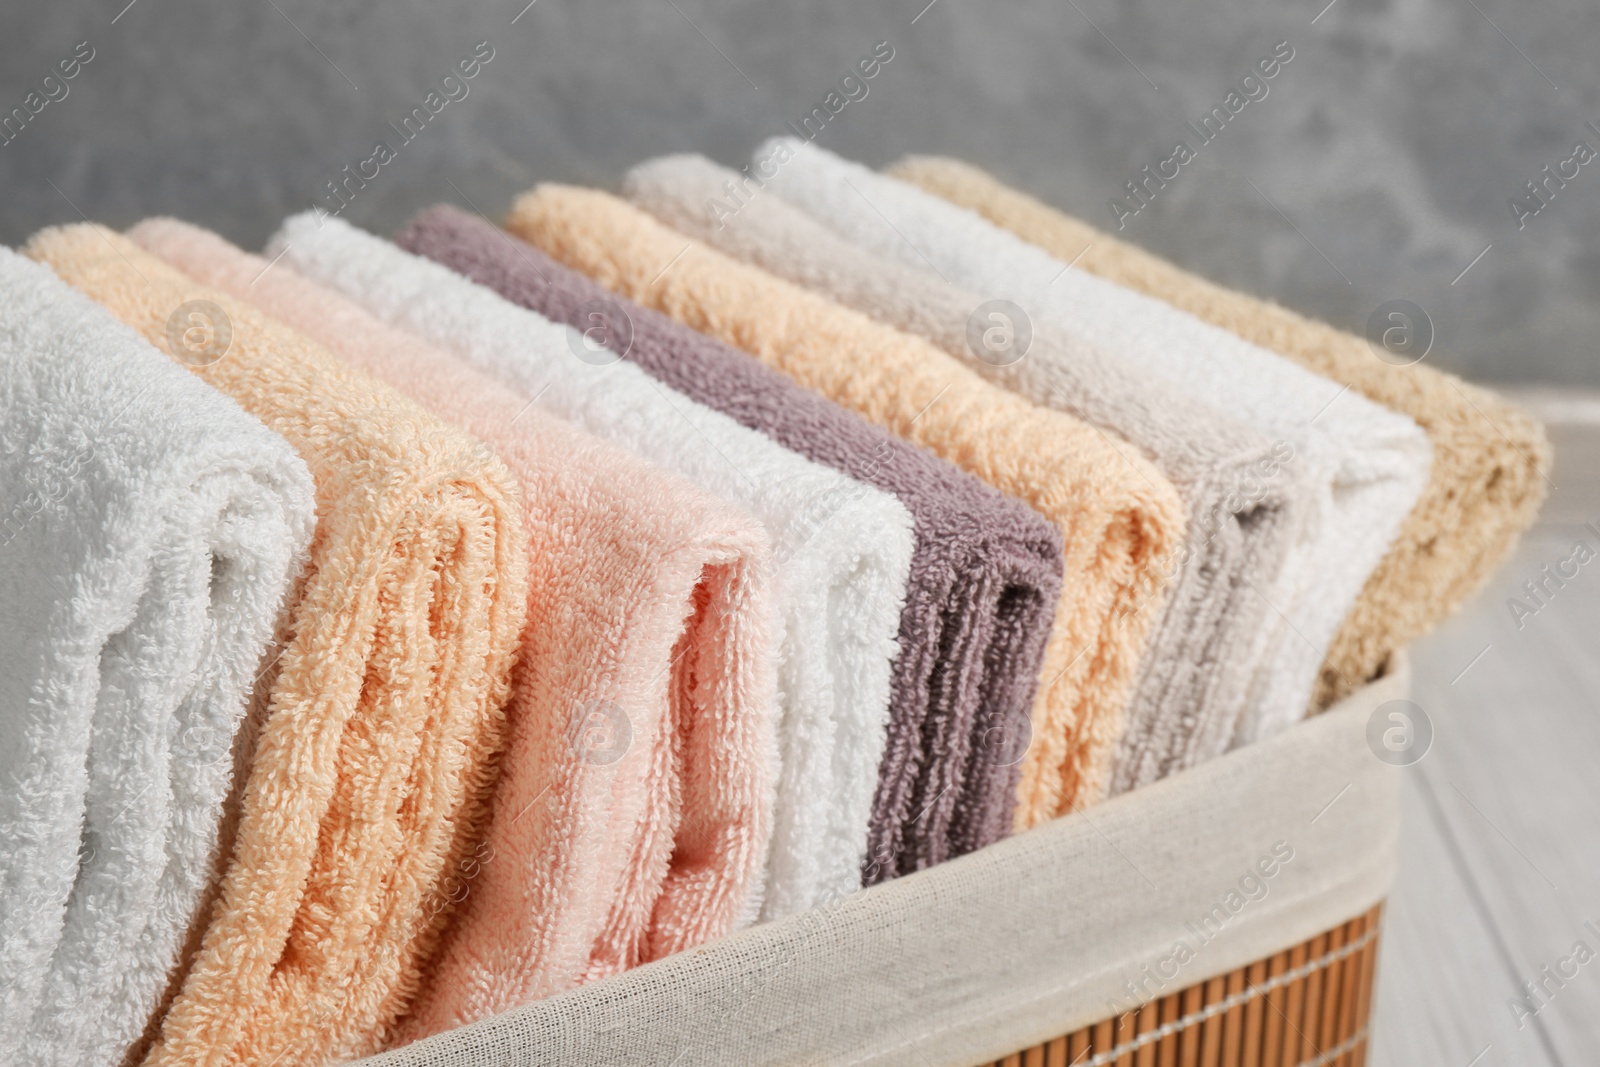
<point>842,548</point>
<point>149,533</point>
<point>1367,464</point>
<point>1196,672</point>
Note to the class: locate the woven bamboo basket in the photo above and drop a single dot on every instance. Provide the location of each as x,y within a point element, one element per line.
<point>1306,1006</point>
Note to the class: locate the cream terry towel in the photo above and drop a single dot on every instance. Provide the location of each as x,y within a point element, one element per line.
<point>1117,514</point>
<point>1365,463</point>
<point>1490,459</point>
<point>149,535</point>
<point>635,788</point>
<point>842,549</point>
<point>1195,675</point>
<point>372,769</point>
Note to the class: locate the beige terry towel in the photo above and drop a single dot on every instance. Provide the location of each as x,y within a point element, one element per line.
<point>1490,458</point>
<point>1118,515</point>
<point>1243,500</point>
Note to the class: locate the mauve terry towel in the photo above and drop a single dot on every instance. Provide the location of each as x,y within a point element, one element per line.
<point>373,767</point>
<point>1118,515</point>
<point>841,549</point>
<point>1196,672</point>
<point>629,816</point>
<point>985,572</point>
<point>1491,460</point>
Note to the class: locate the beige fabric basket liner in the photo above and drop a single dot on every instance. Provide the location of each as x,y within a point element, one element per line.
<point>1011,946</point>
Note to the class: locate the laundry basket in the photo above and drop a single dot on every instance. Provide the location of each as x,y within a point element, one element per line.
<point>1303,1007</point>
<point>1225,916</point>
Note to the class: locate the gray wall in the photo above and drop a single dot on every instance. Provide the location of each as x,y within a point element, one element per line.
<point>1383,157</point>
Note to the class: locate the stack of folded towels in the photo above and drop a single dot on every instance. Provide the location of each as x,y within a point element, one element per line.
<point>395,633</point>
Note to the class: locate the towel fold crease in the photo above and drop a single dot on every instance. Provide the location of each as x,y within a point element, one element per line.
<point>630,816</point>
<point>842,548</point>
<point>985,571</point>
<point>1117,514</point>
<point>1195,674</point>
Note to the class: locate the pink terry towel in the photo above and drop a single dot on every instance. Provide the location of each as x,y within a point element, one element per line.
<point>632,812</point>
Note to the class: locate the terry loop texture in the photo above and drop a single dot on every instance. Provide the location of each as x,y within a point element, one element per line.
<point>985,571</point>
<point>150,534</point>
<point>1490,459</point>
<point>639,697</point>
<point>374,763</point>
<point>1196,671</point>
<point>841,549</point>
<point>1366,464</point>
<point>1117,514</point>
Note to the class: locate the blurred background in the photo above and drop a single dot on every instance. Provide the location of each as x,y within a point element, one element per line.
<point>1382,164</point>
<point>1383,158</point>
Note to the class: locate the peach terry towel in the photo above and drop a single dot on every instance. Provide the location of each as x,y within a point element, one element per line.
<point>632,807</point>
<point>1365,464</point>
<point>842,549</point>
<point>1490,458</point>
<point>374,762</point>
<point>985,573</point>
<point>1117,514</point>
<point>150,536</point>
<point>1241,496</point>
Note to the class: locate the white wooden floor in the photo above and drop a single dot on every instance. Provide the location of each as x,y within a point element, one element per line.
<point>1500,851</point>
